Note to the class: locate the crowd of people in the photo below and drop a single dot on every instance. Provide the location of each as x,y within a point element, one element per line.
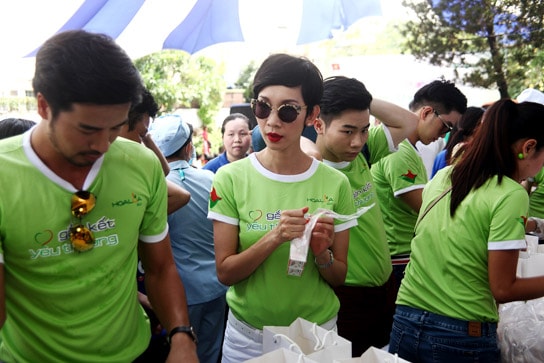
<point>114,247</point>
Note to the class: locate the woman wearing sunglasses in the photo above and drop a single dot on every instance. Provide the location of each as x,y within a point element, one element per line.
<point>467,241</point>
<point>261,203</point>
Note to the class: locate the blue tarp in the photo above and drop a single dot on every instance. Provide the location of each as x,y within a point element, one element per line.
<point>216,21</point>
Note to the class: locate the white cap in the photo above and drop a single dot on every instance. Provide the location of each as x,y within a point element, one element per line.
<point>531,95</point>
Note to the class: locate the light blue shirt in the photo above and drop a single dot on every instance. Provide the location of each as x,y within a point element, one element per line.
<point>191,235</point>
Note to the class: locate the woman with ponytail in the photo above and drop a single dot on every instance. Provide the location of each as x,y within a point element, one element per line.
<point>466,243</point>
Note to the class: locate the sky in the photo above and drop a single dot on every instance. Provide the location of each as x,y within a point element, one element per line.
<point>25,24</point>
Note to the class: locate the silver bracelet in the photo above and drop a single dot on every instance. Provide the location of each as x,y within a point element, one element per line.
<point>328,264</point>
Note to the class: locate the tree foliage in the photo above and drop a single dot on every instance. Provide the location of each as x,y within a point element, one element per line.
<point>178,80</point>
<point>488,42</point>
<point>245,80</point>
<point>357,40</point>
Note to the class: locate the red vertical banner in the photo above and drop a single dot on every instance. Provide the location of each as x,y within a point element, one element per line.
<point>205,142</point>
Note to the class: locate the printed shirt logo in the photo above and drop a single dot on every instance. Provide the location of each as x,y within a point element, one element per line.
<point>44,237</point>
<point>134,199</point>
<point>261,221</point>
<point>409,177</point>
<point>214,198</point>
<point>324,199</point>
<point>255,215</point>
<point>363,196</point>
<point>49,246</point>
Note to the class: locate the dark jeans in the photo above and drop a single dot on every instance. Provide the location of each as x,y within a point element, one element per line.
<point>421,336</point>
<point>398,273</point>
<point>366,315</point>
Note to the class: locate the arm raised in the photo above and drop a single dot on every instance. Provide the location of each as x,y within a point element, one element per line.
<point>401,122</point>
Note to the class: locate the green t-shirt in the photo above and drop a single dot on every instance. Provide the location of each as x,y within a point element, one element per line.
<point>379,143</point>
<point>247,195</point>
<point>394,175</point>
<point>536,199</point>
<point>369,263</point>
<point>448,273</point>
<point>65,306</point>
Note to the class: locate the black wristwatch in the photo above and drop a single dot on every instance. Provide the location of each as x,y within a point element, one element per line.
<point>187,329</point>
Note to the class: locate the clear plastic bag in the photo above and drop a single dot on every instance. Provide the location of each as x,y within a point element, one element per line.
<point>521,331</point>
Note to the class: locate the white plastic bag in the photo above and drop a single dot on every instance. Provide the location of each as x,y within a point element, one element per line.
<point>530,264</point>
<point>521,331</point>
<point>375,355</point>
<point>281,355</point>
<point>299,246</point>
<point>531,261</point>
<point>308,338</point>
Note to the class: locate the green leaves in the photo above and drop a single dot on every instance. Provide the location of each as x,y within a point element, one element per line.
<point>178,80</point>
<point>487,41</point>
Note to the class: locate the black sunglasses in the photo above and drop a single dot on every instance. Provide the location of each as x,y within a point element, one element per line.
<point>447,125</point>
<point>287,113</point>
<point>81,237</point>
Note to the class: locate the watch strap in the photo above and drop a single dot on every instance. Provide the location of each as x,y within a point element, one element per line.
<point>187,329</point>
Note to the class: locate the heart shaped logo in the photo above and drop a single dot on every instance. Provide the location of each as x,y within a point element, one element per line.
<point>255,215</point>
<point>43,238</point>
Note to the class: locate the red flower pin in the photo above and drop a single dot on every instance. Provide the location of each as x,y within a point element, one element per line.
<point>214,198</point>
<point>409,176</point>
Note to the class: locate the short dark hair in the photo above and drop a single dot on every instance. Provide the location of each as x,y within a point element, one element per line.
<point>289,71</point>
<point>442,95</point>
<point>14,126</point>
<point>234,116</point>
<point>343,93</point>
<point>147,105</point>
<point>81,67</point>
